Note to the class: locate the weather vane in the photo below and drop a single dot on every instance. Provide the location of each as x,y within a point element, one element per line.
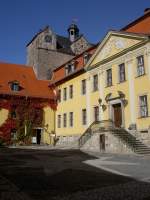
<point>74,20</point>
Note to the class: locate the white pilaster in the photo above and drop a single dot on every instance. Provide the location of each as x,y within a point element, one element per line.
<point>88,90</point>
<point>131,78</point>
<point>148,61</point>
<point>101,92</point>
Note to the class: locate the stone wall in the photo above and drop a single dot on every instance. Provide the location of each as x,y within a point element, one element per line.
<point>43,56</point>
<point>48,60</point>
<point>143,136</point>
<point>80,45</point>
<point>68,141</point>
<point>112,144</point>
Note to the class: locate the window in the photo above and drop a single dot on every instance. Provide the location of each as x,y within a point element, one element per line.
<point>96,113</point>
<point>95,82</point>
<point>86,57</point>
<point>15,86</point>
<point>83,87</point>
<point>48,38</point>
<point>70,68</point>
<point>65,94</point>
<point>13,114</point>
<point>84,117</point>
<point>109,77</point>
<point>122,73</point>
<point>65,120</point>
<point>59,121</point>
<point>71,91</point>
<point>72,32</point>
<point>143,106</point>
<point>71,119</point>
<point>140,65</point>
<point>59,95</point>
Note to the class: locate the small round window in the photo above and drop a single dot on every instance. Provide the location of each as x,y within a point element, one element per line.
<point>48,38</point>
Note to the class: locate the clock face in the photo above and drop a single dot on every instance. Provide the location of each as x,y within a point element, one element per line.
<point>119,44</point>
<point>48,38</point>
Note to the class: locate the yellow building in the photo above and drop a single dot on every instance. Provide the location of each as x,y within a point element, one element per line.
<point>122,97</point>
<point>117,97</point>
<point>70,80</point>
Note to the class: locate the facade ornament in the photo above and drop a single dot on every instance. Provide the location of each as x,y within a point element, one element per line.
<point>129,58</point>
<point>121,94</point>
<point>104,107</point>
<point>108,97</point>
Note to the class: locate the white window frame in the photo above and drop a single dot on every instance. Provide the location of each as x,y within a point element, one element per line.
<point>145,114</point>
<point>71,121</point>
<point>83,91</point>
<point>58,121</point>
<point>140,66</point>
<point>120,73</point>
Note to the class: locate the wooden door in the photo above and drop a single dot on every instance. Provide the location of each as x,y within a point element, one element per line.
<point>102,142</point>
<point>117,115</point>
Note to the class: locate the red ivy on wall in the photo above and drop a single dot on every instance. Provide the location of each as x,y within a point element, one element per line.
<point>26,109</point>
<point>5,130</point>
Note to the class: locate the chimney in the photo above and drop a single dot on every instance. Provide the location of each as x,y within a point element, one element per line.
<point>147,10</point>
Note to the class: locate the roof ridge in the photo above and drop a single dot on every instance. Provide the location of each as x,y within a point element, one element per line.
<point>16,64</point>
<point>136,21</point>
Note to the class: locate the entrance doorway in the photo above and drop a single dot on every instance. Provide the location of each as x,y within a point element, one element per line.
<point>117,115</point>
<point>38,135</point>
<point>102,142</point>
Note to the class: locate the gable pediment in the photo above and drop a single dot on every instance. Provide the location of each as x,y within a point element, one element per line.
<point>115,43</point>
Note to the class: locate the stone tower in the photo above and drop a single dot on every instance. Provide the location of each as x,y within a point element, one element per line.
<point>47,50</point>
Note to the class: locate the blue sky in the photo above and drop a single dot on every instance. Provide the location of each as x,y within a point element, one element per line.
<point>21,19</point>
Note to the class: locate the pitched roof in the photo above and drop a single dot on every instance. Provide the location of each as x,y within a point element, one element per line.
<point>143,38</point>
<point>30,86</point>
<point>139,25</point>
<point>38,33</point>
<point>65,43</point>
<point>59,73</point>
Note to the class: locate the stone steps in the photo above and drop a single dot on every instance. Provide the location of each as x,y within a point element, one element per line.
<point>136,145</point>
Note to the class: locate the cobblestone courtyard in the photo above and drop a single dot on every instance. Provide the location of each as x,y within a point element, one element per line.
<point>71,174</point>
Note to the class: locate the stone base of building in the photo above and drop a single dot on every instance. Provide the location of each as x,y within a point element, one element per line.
<point>106,143</point>
<point>68,141</point>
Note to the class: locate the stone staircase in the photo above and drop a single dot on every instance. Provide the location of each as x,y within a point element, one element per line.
<point>131,141</point>
<point>124,136</point>
<point>88,133</point>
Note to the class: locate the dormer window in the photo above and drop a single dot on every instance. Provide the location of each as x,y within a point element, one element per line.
<point>70,68</point>
<point>86,57</point>
<point>14,86</point>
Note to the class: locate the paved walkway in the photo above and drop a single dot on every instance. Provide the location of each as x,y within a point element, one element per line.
<point>27,174</point>
<point>134,166</point>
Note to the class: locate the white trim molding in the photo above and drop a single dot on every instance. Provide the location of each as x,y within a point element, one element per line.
<point>129,63</point>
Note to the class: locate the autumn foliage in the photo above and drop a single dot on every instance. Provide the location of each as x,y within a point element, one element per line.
<point>22,112</point>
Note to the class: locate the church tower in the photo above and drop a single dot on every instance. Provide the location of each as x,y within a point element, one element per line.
<point>48,50</point>
<point>73,32</point>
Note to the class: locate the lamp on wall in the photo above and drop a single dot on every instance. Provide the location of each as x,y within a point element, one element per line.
<point>99,101</point>
<point>121,94</point>
<point>102,105</point>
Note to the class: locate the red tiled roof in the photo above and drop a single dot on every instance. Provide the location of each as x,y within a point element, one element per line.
<point>59,72</point>
<point>140,25</point>
<point>30,85</point>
